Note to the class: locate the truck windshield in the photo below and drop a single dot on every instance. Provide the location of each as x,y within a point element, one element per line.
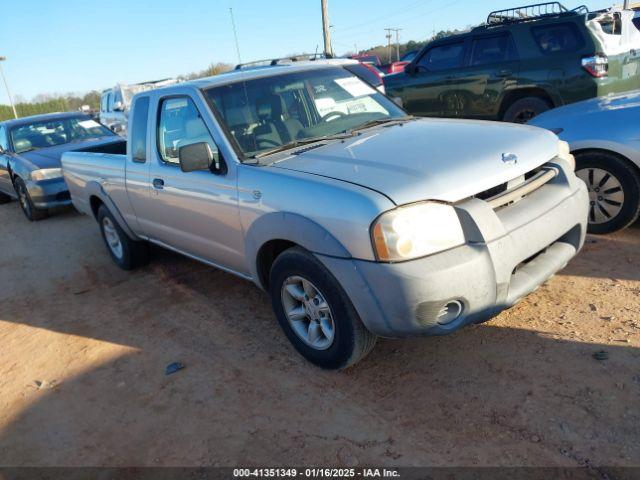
<point>52,133</point>
<point>267,113</point>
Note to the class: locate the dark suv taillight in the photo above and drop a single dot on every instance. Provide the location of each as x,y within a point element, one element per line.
<point>597,66</point>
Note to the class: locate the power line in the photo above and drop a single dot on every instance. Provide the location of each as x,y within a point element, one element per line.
<point>384,17</point>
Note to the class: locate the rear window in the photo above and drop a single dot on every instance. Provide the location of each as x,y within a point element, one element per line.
<point>558,38</point>
<point>443,57</point>
<point>491,50</point>
<point>365,74</point>
<point>139,130</point>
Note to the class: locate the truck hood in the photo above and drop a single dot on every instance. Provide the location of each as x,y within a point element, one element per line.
<point>429,159</point>
<point>50,157</point>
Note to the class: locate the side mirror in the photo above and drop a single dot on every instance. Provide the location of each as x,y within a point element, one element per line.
<point>117,128</point>
<point>118,107</point>
<point>195,157</point>
<point>410,69</point>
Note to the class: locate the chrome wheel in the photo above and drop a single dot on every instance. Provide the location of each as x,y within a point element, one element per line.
<point>112,237</point>
<point>308,312</point>
<point>606,194</point>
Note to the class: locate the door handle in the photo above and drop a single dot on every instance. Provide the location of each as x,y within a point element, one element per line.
<point>504,73</point>
<point>158,183</point>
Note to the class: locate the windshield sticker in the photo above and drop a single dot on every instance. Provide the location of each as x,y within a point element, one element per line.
<point>89,124</point>
<point>354,86</point>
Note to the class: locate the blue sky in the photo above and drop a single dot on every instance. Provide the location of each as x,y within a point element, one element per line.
<point>58,46</point>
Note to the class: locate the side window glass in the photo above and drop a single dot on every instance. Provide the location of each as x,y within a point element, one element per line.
<point>109,102</point>
<point>139,130</point>
<point>3,139</point>
<point>557,38</point>
<point>492,50</point>
<point>180,125</point>
<point>443,57</point>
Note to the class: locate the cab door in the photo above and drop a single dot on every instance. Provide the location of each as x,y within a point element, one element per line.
<point>492,70</point>
<point>195,213</point>
<point>432,80</point>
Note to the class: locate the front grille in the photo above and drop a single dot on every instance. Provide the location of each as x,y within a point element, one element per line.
<point>500,189</point>
<point>63,196</point>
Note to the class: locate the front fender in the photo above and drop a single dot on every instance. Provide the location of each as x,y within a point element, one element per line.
<point>293,228</point>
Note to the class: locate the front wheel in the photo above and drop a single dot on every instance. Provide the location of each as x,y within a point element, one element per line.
<point>614,191</point>
<point>315,313</point>
<point>32,213</point>
<point>125,252</point>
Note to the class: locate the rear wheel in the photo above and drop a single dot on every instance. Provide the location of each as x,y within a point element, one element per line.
<point>525,109</point>
<point>125,252</point>
<point>32,213</point>
<point>315,313</point>
<point>614,191</point>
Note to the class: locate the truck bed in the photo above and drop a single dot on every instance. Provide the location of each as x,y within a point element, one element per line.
<point>98,167</point>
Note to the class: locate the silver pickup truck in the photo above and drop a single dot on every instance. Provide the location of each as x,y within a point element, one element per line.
<point>359,220</point>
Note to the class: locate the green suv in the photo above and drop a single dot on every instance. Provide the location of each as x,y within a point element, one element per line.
<point>523,61</point>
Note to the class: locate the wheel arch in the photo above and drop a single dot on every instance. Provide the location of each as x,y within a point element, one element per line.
<point>274,233</point>
<point>625,158</point>
<point>513,96</point>
<point>96,197</point>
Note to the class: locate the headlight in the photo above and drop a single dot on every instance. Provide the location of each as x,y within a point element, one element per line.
<point>416,231</point>
<point>46,174</point>
<point>564,152</point>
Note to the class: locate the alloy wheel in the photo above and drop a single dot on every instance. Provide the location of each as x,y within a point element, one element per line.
<point>112,237</point>
<point>606,195</point>
<point>308,312</point>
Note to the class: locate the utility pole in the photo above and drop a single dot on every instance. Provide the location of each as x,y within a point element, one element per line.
<point>389,36</point>
<point>328,51</point>
<point>235,34</point>
<point>626,5</point>
<point>398,44</point>
<point>6,85</point>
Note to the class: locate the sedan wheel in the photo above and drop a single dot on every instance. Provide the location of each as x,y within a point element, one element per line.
<point>606,195</point>
<point>614,190</point>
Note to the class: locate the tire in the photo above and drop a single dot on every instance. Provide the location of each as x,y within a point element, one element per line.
<point>525,109</point>
<point>125,252</point>
<point>350,342</point>
<point>614,190</point>
<point>32,213</point>
<point>4,198</point>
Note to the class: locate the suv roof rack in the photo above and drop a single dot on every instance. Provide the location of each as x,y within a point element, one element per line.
<point>535,11</point>
<point>272,62</point>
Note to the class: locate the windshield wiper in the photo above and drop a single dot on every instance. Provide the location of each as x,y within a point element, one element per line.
<point>300,143</point>
<point>379,121</point>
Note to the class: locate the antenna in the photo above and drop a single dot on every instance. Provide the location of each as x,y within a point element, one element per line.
<point>235,34</point>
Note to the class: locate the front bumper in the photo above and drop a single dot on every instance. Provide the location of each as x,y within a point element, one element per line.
<point>510,253</point>
<point>49,193</point>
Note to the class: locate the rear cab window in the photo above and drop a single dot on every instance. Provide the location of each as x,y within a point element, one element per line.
<point>443,57</point>
<point>139,130</point>
<point>558,38</point>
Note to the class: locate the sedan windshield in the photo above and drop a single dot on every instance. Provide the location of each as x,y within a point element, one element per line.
<point>273,112</point>
<point>52,133</point>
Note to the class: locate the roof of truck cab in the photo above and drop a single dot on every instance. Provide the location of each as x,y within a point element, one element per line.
<point>16,122</point>
<point>251,74</point>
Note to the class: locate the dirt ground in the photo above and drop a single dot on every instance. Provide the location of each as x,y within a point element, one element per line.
<point>83,348</point>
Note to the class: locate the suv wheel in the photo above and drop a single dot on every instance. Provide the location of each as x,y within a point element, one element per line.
<point>32,213</point>
<point>315,313</point>
<point>125,252</point>
<point>614,191</point>
<point>525,109</point>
